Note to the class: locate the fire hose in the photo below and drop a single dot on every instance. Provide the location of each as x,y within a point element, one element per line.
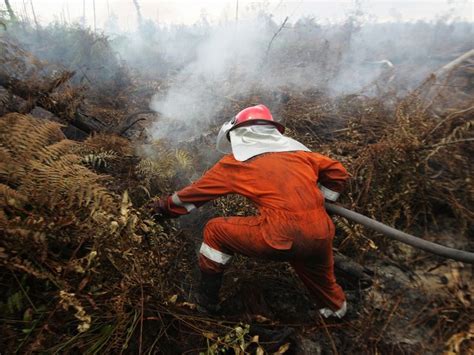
<point>403,237</point>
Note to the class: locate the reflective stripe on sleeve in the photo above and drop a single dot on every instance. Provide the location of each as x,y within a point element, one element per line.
<point>214,254</point>
<point>329,194</point>
<point>177,201</point>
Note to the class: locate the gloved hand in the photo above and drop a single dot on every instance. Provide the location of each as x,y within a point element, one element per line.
<point>159,208</point>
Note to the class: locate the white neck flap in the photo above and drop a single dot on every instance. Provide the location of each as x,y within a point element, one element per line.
<point>249,141</point>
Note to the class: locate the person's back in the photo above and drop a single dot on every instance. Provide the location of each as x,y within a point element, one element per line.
<point>284,181</point>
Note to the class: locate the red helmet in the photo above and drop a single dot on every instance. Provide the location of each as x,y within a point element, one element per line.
<point>254,115</point>
<point>259,114</point>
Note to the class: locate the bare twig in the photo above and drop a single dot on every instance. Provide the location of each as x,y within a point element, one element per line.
<point>457,113</point>
<point>95,23</point>
<point>139,14</point>
<point>11,13</point>
<point>34,15</point>
<point>24,292</point>
<point>448,143</point>
<point>274,36</point>
<point>331,340</point>
<point>389,319</point>
<point>129,122</point>
<point>142,297</point>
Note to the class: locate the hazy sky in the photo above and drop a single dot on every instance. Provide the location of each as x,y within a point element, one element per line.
<point>190,11</point>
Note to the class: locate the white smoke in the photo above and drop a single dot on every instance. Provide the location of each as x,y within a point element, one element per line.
<point>228,62</point>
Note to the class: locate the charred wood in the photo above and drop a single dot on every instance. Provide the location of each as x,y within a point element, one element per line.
<point>40,95</point>
<point>13,103</point>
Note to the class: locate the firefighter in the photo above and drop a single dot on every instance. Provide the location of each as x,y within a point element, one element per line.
<point>288,183</point>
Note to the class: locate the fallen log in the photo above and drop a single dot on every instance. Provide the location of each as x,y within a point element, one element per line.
<point>70,131</point>
<point>446,86</point>
<point>13,103</point>
<point>87,123</point>
<point>440,73</point>
<point>39,95</point>
<point>352,270</point>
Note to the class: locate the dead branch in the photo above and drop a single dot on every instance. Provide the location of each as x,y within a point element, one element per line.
<point>274,36</point>
<point>454,63</point>
<point>131,120</point>
<point>11,13</point>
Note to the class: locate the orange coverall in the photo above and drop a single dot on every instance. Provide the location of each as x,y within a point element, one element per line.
<point>292,224</point>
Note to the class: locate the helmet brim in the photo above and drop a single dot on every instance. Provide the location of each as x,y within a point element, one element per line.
<point>258,121</point>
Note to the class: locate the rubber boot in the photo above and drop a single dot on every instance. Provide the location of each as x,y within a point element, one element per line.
<point>207,297</point>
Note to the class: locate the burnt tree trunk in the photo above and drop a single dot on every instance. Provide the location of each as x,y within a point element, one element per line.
<point>13,103</point>
<point>40,96</point>
<point>11,13</point>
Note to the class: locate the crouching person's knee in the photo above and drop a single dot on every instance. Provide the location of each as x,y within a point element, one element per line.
<point>212,255</point>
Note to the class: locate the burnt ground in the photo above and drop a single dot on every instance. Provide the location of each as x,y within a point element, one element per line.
<point>395,307</point>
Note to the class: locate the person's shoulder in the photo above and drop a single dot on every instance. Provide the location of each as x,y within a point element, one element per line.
<point>228,159</point>
<point>305,154</point>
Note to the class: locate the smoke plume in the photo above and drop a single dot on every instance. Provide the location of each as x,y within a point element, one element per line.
<point>227,62</point>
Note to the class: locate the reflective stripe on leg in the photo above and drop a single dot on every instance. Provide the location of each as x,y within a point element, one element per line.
<point>326,312</point>
<point>214,254</point>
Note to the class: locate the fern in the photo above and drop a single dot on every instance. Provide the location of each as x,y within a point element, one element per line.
<point>11,197</point>
<point>152,169</point>
<point>14,128</point>
<point>99,160</point>
<point>183,159</point>
<point>55,151</point>
<point>160,166</point>
<point>101,142</point>
<point>46,191</point>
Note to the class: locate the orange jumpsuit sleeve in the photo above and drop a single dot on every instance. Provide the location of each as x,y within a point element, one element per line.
<point>213,184</point>
<point>332,176</point>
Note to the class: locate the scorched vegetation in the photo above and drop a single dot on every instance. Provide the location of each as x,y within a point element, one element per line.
<point>83,268</point>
